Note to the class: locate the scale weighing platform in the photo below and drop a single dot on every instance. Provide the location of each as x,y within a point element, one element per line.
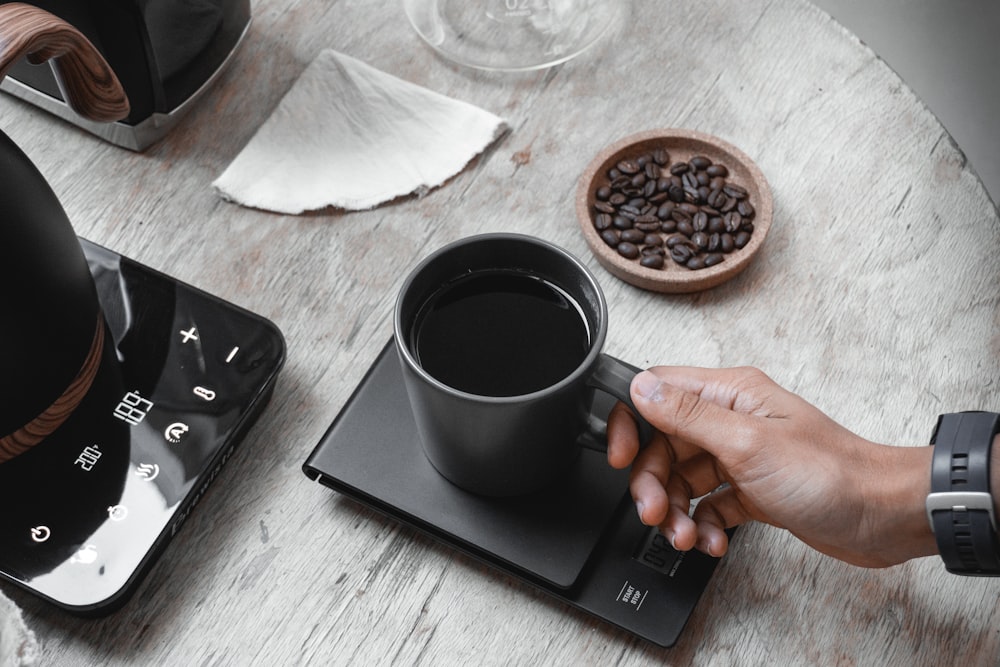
<point>581,542</point>
<point>183,376</point>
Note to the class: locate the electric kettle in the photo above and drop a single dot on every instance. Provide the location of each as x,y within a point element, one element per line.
<point>52,332</point>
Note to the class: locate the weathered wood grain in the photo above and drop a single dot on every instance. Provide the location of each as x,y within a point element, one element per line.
<point>876,297</point>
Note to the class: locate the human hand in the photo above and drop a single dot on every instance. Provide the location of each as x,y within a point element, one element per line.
<point>785,463</point>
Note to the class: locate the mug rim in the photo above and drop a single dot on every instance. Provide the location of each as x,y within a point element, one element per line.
<point>596,343</point>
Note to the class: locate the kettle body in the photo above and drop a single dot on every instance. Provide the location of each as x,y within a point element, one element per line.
<point>51,326</point>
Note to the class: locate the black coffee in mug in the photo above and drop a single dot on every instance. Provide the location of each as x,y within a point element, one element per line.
<point>500,333</point>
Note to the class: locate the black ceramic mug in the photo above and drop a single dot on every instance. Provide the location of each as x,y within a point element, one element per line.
<point>499,338</point>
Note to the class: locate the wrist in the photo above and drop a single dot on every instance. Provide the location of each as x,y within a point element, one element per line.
<point>896,498</point>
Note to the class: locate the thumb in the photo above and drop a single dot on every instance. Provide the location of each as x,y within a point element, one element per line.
<point>684,413</point>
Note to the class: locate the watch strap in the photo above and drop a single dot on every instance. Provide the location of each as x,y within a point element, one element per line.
<point>960,506</point>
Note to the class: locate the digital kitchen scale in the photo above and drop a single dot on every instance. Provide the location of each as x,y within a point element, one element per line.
<point>582,541</point>
<point>183,376</point>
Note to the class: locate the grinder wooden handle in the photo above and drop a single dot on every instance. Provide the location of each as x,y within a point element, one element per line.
<point>85,78</point>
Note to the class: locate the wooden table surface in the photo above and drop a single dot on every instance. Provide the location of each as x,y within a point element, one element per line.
<point>876,297</point>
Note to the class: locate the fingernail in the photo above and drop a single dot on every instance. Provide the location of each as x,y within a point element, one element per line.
<point>647,385</point>
<point>640,508</point>
<point>673,541</point>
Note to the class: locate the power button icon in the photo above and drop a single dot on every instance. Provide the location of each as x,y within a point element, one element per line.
<point>40,534</point>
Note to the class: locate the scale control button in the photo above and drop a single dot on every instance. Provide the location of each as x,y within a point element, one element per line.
<point>147,471</point>
<point>176,432</point>
<point>204,393</point>
<point>117,512</point>
<point>189,335</point>
<point>41,534</point>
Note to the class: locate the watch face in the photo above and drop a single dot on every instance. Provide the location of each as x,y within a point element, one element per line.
<point>183,374</point>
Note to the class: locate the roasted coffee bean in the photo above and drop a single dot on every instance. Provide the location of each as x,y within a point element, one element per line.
<point>637,203</point>
<point>700,162</point>
<point>736,191</point>
<point>621,222</point>
<point>666,208</point>
<point>613,174</point>
<point>603,193</point>
<point>617,199</point>
<point>628,167</point>
<point>639,180</point>
<point>741,239</point>
<point>681,254</point>
<point>685,228</point>
<point>716,198</point>
<point>689,180</point>
<point>716,225</point>
<point>695,263</point>
<point>726,243</point>
<point>703,178</point>
<point>700,239</point>
<point>733,222</point>
<point>652,242</point>
<point>676,180</point>
<point>699,221</point>
<point>680,215</point>
<point>649,189</point>
<point>642,160</point>
<point>690,208</point>
<point>713,259</point>
<point>676,193</point>
<point>717,183</point>
<point>628,250</point>
<point>677,240</point>
<point>620,182</point>
<point>633,236</point>
<point>652,261</point>
<point>602,221</point>
<point>714,243</point>
<point>652,171</point>
<point>669,226</point>
<point>604,207</point>
<point>717,170</point>
<point>747,227</point>
<point>648,209</point>
<point>631,212</point>
<point>731,203</point>
<point>662,184</point>
<point>647,227</point>
<point>610,237</point>
<point>708,209</point>
<point>745,208</point>
<point>656,198</point>
<point>703,192</point>
<point>691,196</point>
<point>679,168</point>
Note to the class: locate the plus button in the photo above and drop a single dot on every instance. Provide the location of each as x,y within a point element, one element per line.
<point>189,335</point>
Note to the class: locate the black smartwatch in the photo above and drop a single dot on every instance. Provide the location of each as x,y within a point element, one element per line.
<point>960,506</point>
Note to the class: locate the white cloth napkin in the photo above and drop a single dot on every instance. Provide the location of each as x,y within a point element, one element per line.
<point>351,136</point>
<point>18,646</point>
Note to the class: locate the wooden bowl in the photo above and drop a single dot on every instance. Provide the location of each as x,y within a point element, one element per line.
<point>681,145</point>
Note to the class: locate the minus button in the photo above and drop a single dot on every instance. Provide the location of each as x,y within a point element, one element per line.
<point>232,354</point>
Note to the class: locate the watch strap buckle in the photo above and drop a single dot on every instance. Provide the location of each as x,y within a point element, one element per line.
<point>960,501</point>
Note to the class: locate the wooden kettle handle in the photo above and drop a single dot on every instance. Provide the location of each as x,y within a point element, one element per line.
<point>85,78</point>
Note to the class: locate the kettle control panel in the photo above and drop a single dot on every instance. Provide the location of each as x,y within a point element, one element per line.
<point>183,376</point>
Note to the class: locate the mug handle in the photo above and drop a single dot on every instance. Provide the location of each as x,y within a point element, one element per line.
<point>614,377</point>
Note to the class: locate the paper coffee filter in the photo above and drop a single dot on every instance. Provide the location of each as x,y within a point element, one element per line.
<point>351,136</point>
